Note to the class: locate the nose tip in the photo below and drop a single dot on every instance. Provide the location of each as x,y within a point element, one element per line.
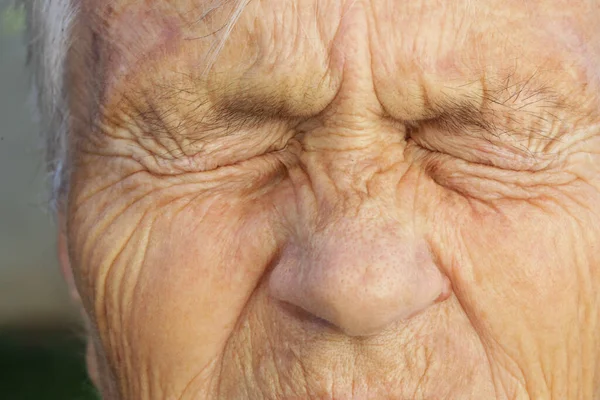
<point>359,287</point>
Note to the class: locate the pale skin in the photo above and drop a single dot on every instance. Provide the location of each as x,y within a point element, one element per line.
<point>354,200</point>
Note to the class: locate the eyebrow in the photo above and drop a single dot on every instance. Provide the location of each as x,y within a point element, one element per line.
<point>510,99</point>
<point>160,114</point>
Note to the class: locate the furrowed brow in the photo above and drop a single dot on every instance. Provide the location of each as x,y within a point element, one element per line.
<point>175,112</point>
<point>505,100</point>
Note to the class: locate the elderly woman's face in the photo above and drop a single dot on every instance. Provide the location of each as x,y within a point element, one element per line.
<point>338,199</point>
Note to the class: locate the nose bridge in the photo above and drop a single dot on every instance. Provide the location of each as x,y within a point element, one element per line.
<point>356,167</point>
<point>357,258</point>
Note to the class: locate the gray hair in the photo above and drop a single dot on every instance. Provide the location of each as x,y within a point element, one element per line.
<point>49,25</point>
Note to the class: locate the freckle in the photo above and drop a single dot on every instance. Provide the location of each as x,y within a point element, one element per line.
<point>483,316</point>
<point>477,276</point>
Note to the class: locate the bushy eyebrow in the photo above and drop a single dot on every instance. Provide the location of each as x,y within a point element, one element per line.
<point>529,115</point>
<point>495,111</point>
<point>168,112</point>
<point>509,99</point>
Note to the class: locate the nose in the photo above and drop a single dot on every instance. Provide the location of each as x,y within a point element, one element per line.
<point>359,275</point>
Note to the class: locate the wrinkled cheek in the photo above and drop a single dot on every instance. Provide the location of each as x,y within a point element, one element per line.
<point>517,284</point>
<point>516,268</point>
<point>169,301</point>
<point>202,270</point>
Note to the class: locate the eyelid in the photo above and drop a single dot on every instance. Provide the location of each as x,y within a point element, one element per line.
<point>477,145</point>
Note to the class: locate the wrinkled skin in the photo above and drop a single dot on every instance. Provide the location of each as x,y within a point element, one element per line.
<point>348,200</point>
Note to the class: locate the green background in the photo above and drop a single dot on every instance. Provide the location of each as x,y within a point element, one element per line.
<point>41,355</point>
<point>37,365</point>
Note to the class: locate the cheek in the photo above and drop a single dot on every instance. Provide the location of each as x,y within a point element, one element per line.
<point>516,271</point>
<point>167,285</point>
<point>198,275</point>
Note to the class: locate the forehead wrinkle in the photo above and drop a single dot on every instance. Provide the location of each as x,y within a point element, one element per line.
<point>259,95</point>
<point>278,54</point>
<point>253,99</point>
<point>146,103</point>
<point>128,36</point>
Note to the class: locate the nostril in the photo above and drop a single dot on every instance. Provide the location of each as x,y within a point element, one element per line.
<point>305,317</point>
<point>360,281</point>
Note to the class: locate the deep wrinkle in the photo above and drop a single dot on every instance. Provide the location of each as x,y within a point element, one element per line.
<point>318,247</point>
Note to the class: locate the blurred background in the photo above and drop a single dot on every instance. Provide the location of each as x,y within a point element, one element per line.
<point>41,348</point>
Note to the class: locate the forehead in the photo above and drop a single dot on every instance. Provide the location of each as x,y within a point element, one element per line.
<point>293,57</point>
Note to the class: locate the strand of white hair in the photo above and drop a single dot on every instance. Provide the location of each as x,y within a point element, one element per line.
<point>49,32</point>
